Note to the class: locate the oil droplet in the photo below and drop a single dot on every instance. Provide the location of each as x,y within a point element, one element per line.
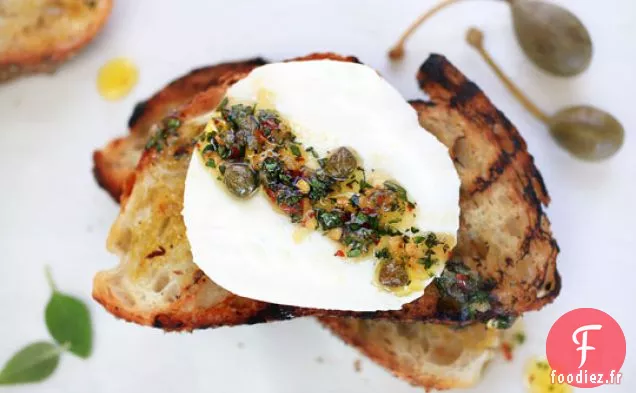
<point>300,234</point>
<point>116,78</point>
<point>539,380</point>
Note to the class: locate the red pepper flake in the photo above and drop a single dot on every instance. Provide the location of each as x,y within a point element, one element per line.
<point>295,172</point>
<point>259,136</point>
<point>270,193</point>
<point>291,210</point>
<point>507,351</point>
<point>340,254</point>
<point>269,124</point>
<point>368,210</point>
<point>235,152</point>
<point>462,280</point>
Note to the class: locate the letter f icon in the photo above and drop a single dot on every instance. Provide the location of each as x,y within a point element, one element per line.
<point>584,347</point>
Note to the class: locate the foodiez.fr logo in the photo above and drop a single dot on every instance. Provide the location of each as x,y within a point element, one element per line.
<point>586,348</point>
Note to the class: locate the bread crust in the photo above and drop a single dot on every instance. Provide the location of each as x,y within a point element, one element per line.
<point>459,114</point>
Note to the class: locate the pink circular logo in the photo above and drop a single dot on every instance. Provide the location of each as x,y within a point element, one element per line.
<point>586,348</point>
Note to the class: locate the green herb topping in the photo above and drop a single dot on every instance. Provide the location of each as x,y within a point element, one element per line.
<point>253,149</point>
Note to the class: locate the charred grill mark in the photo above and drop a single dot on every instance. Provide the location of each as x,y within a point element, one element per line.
<point>418,102</point>
<point>538,181</point>
<point>557,285</point>
<point>496,169</point>
<point>536,231</point>
<point>156,253</point>
<point>433,70</point>
<point>165,322</point>
<point>503,119</point>
<point>272,312</point>
<point>465,92</point>
<point>255,61</point>
<point>157,322</point>
<point>138,111</point>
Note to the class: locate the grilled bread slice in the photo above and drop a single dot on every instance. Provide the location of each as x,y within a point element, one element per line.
<point>38,35</point>
<point>504,263</point>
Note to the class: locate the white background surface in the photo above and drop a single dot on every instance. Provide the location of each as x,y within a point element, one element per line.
<point>51,211</point>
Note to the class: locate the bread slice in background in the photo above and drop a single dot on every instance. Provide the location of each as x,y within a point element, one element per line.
<point>504,240</point>
<point>39,35</point>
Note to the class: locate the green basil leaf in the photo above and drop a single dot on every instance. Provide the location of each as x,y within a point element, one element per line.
<point>69,322</point>
<point>33,363</point>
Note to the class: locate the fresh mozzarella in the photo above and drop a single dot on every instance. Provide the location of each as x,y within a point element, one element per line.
<point>253,251</point>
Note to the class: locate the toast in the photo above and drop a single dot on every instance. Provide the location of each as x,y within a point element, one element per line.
<point>505,250</point>
<point>37,36</point>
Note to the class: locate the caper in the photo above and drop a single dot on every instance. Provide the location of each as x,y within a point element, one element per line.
<point>341,164</point>
<point>240,179</point>
<point>393,274</point>
<point>586,132</point>
<point>552,37</point>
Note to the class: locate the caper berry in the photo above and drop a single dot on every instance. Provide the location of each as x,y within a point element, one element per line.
<point>341,164</point>
<point>587,132</point>
<point>240,180</point>
<point>393,274</point>
<point>552,37</point>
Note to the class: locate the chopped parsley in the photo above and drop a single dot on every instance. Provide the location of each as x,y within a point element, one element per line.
<point>401,192</point>
<point>383,253</point>
<point>329,219</point>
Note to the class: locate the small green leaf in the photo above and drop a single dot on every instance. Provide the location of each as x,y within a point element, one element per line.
<point>69,322</point>
<point>33,363</point>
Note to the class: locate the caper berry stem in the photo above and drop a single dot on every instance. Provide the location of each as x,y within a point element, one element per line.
<point>475,38</point>
<point>397,51</point>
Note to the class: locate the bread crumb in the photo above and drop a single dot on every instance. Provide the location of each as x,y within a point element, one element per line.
<point>357,365</point>
<point>319,359</point>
